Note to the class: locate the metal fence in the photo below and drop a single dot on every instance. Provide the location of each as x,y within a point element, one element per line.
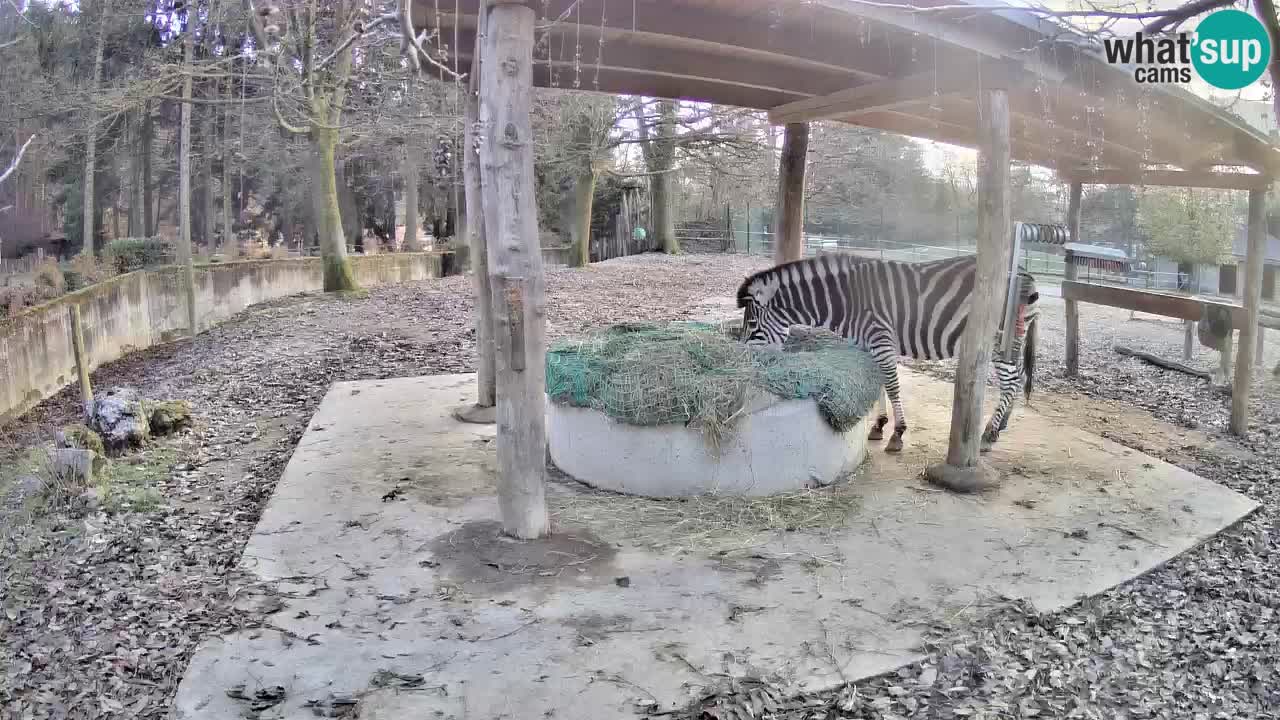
<point>761,242</point>
<point>22,265</point>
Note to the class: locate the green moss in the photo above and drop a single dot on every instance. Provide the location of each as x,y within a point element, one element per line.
<point>80,436</point>
<point>168,416</point>
<point>338,276</point>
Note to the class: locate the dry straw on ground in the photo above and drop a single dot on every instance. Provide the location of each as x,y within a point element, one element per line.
<point>703,522</point>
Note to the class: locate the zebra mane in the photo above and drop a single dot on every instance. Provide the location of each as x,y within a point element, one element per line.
<point>744,290</point>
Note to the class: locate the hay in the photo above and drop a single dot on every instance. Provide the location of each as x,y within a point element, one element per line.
<point>704,522</point>
<point>697,375</point>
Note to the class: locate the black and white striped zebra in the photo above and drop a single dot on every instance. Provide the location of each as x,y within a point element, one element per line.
<point>888,308</point>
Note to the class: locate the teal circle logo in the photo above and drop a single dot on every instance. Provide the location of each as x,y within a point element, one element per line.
<point>1231,49</point>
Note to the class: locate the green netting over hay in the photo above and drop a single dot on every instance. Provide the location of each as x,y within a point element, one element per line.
<point>696,374</point>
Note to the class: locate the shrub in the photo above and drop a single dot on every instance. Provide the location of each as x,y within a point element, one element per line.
<point>80,436</point>
<point>129,254</point>
<point>84,270</point>
<point>49,275</point>
<point>14,298</point>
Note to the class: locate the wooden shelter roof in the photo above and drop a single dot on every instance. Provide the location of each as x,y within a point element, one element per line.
<point>916,74</point>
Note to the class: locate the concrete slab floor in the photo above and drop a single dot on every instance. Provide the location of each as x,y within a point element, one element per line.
<point>381,550</point>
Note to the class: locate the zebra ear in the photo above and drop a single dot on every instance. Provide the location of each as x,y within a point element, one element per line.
<point>764,292</point>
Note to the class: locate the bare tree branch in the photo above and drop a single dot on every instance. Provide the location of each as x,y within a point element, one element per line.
<point>16,159</point>
<point>1043,11</point>
<point>1179,15</point>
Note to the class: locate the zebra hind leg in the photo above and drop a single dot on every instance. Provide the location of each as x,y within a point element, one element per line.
<point>886,356</point>
<point>877,430</point>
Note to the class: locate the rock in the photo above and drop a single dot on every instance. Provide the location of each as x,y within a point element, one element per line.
<point>79,436</point>
<point>120,419</point>
<point>72,465</point>
<point>91,498</point>
<point>29,486</point>
<point>169,416</point>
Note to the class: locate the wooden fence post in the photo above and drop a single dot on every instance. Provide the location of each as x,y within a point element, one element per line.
<point>962,471</point>
<point>1070,271</point>
<point>1252,305</point>
<point>82,359</point>
<point>515,266</point>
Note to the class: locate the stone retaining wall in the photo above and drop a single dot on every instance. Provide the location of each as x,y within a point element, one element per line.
<point>145,308</point>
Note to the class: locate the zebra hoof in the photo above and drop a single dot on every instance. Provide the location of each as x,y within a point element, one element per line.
<point>894,445</point>
<point>875,434</point>
<point>989,439</point>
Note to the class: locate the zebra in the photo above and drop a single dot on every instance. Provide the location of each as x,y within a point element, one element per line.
<point>888,308</point>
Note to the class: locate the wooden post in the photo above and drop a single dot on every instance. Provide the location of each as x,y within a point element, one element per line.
<point>1188,338</point>
<point>1224,358</point>
<point>1252,305</point>
<point>483,412</point>
<point>789,210</point>
<point>515,266</point>
<point>1071,271</point>
<point>961,471</point>
<point>82,358</point>
<point>1260,351</point>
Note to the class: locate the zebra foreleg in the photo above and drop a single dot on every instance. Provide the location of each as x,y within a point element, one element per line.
<point>1008,378</point>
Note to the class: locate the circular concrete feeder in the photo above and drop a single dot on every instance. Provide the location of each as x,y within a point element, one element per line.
<point>775,446</point>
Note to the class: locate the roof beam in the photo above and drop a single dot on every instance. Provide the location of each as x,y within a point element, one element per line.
<point>1176,178</point>
<point>893,92</point>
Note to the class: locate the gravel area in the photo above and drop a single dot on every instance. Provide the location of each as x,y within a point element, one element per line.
<point>101,610</point>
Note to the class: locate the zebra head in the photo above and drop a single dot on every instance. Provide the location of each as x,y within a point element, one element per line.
<point>762,323</point>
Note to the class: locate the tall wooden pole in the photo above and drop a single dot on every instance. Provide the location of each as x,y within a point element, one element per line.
<point>515,265</point>
<point>789,239</point>
<point>1070,272</point>
<point>1252,304</point>
<point>962,471</point>
<point>486,393</point>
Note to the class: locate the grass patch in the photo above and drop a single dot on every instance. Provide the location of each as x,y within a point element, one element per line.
<point>130,483</point>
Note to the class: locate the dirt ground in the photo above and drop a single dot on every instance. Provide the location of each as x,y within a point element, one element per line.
<point>101,610</point>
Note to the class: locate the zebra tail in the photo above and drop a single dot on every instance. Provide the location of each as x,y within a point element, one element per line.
<point>1029,357</point>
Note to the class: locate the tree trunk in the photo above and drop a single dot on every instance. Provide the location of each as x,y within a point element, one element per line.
<point>584,190</point>
<point>410,178</point>
<point>338,276</point>
<point>208,145</point>
<point>91,136</point>
<point>519,291</point>
<point>184,189</point>
<point>789,209</point>
<point>664,222</point>
<point>136,221</point>
<point>148,198</point>
<point>227,235</point>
